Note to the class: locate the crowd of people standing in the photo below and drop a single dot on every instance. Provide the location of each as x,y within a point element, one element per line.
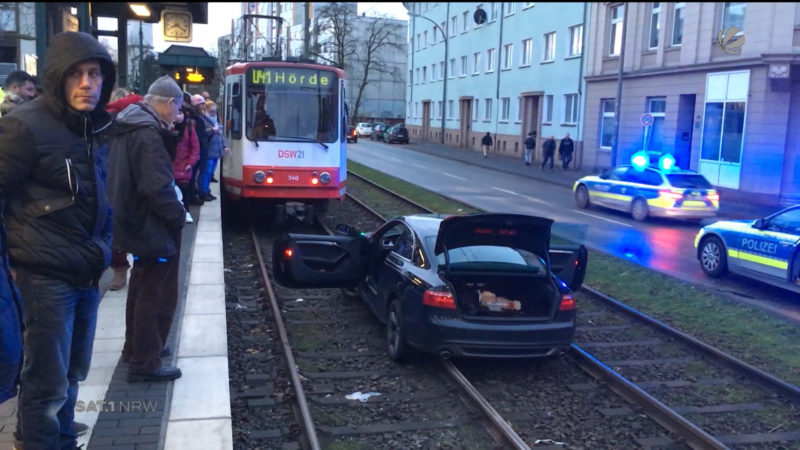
<point>87,177</point>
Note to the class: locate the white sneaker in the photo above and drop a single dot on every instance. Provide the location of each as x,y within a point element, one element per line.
<point>189,218</point>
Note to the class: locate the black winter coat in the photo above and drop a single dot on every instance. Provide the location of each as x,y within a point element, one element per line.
<point>53,173</point>
<point>566,147</point>
<point>148,217</point>
<point>487,140</point>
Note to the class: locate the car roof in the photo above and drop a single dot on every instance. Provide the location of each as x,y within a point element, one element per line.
<point>424,224</point>
<point>665,172</point>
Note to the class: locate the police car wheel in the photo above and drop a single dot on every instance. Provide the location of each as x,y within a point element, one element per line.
<point>713,259</point>
<point>582,197</point>
<point>639,209</point>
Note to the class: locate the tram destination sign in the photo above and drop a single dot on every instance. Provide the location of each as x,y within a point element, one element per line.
<point>291,77</point>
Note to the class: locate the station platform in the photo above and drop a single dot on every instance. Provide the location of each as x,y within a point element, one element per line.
<point>193,412</point>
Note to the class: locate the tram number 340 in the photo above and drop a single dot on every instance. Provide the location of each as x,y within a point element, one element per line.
<point>294,177</point>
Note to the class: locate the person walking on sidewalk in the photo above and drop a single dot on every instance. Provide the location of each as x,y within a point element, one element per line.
<point>148,219</point>
<point>565,150</point>
<point>530,145</point>
<point>549,148</point>
<point>486,143</point>
<point>53,174</point>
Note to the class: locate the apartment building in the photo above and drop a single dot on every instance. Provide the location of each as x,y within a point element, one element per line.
<point>517,71</point>
<point>719,80</point>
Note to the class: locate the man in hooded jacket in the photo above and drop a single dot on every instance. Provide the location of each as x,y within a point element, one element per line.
<point>148,219</point>
<point>53,172</point>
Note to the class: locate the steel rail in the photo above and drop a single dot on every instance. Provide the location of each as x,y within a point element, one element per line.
<point>661,413</point>
<point>305,413</point>
<point>395,194</point>
<point>770,381</point>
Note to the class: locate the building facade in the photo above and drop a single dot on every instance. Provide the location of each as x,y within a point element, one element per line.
<point>719,80</point>
<point>17,38</point>
<point>517,72</point>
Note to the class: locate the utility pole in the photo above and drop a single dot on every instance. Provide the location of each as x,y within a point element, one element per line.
<point>618,110</point>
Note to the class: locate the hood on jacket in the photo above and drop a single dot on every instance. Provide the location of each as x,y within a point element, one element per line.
<point>141,115</point>
<point>66,49</point>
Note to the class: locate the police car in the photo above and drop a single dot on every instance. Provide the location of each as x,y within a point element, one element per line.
<point>765,249</point>
<point>645,191</point>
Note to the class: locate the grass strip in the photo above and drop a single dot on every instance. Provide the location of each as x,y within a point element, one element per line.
<point>765,340</point>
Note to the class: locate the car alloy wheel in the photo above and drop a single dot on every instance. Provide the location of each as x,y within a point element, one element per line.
<point>639,209</point>
<point>395,334</point>
<point>713,259</point>
<point>582,197</point>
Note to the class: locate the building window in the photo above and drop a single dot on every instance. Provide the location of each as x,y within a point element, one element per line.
<point>655,13</point>
<point>493,15</point>
<point>452,67</point>
<point>509,7</point>
<point>487,114</point>
<point>607,121</point>
<point>508,53</point>
<point>425,74</point>
<point>419,41</point>
<point>519,109</point>
<point>463,66</point>
<point>571,108</point>
<point>433,72</point>
<point>416,110</point>
<point>434,35</point>
<point>410,77</point>
<point>576,40</point>
<point>475,104</point>
<point>733,15</point>
<point>616,14</point>
<point>425,34</point>
<point>476,63</point>
<point>528,5</point>
<point>465,21</point>
<point>656,106</point>
<point>505,106</point>
<point>443,25</point>
<point>440,111</point>
<point>450,110</point>
<point>490,60</point>
<point>549,47</point>
<point>418,75</point>
<point>548,109</point>
<point>677,24</point>
<point>441,70</point>
<point>527,49</point>
<point>454,26</point>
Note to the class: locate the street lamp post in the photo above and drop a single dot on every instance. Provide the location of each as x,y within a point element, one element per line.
<point>444,75</point>
<point>141,58</point>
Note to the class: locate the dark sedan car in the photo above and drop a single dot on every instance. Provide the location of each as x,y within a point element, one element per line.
<point>397,133</point>
<point>352,135</point>
<point>378,131</point>
<point>482,285</point>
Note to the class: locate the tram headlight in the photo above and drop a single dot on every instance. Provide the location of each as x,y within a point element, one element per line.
<point>259,177</point>
<point>325,178</point>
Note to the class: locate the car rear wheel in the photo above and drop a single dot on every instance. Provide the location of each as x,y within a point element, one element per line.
<point>582,197</point>
<point>713,258</point>
<point>639,209</point>
<point>395,333</point>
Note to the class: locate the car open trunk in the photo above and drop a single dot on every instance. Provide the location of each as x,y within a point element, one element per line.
<point>505,295</point>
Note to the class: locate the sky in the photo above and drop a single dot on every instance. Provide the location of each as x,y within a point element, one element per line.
<point>220,14</point>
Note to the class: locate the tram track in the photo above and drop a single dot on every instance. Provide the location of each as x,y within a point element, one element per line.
<point>630,356</point>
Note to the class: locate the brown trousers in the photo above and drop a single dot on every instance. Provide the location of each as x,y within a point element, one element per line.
<point>150,308</point>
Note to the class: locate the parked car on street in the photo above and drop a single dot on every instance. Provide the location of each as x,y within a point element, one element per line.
<point>397,133</point>
<point>364,128</point>
<point>481,285</point>
<point>765,249</point>
<point>378,130</point>
<point>352,135</point>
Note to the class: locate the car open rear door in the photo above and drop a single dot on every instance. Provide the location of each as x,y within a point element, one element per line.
<point>309,260</point>
<point>568,263</point>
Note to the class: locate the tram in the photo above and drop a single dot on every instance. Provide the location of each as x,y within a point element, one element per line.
<point>286,127</point>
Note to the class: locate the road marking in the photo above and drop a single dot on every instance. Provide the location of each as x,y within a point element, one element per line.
<point>454,176</point>
<point>419,165</point>
<point>394,159</point>
<point>505,190</point>
<point>603,218</point>
<point>535,200</point>
<point>527,197</point>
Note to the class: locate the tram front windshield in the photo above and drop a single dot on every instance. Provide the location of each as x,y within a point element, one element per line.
<point>292,104</point>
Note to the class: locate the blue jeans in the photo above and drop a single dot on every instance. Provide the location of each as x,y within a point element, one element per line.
<point>60,321</point>
<point>528,154</point>
<point>205,175</point>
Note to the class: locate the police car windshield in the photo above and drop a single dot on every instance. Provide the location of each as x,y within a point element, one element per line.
<point>688,181</point>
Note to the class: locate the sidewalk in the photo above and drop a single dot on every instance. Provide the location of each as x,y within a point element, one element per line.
<point>733,205</point>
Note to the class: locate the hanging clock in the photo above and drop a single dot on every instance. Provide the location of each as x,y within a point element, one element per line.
<point>177,25</point>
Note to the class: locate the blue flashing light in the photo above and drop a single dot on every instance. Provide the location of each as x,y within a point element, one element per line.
<point>666,162</point>
<point>640,160</point>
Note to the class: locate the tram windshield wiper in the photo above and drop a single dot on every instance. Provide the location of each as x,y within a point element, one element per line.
<point>301,139</point>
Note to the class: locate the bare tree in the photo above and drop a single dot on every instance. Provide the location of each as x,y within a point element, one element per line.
<point>378,40</point>
<point>335,24</point>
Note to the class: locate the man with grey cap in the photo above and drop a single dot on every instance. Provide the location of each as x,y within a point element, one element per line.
<point>148,219</point>
<point>52,176</point>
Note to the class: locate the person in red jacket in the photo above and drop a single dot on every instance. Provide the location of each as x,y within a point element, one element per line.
<point>186,155</point>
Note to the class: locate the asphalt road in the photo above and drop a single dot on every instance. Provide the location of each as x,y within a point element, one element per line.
<point>664,245</point>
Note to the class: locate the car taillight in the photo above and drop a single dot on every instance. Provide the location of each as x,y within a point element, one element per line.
<point>713,196</point>
<point>567,303</point>
<point>439,299</point>
<point>671,195</point>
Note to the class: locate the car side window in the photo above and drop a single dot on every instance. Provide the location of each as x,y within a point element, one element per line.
<point>652,178</point>
<point>788,222</point>
<point>402,238</point>
<point>618,174</point>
